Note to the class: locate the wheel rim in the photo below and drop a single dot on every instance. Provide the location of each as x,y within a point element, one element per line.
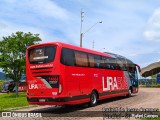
<point>130,93</point>
<point>93,99</point>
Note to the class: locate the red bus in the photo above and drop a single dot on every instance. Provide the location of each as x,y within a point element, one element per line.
<point>9,86</point>
<point>63,74</point>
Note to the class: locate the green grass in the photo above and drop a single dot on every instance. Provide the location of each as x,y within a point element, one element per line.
<point>10,101</point>
<point>151,118</point>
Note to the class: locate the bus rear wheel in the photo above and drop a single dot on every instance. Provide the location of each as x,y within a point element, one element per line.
<point>93,99</point>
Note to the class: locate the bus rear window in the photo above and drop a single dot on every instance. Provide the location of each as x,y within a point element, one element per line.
<point>42,54</point>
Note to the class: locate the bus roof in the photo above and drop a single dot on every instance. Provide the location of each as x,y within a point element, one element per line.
<point>120,57</point>
<point>71,47</point>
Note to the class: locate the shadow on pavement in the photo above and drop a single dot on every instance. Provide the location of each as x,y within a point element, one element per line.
<point>74,108</point>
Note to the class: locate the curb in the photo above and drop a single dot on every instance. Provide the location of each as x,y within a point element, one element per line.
<point>19,108</point>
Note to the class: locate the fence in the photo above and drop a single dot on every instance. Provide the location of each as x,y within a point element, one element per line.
<point>148,82</point>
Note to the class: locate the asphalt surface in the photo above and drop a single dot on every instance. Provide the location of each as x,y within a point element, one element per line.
<point>147,98</point>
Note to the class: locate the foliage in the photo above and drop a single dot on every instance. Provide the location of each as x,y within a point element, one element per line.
<point>1,82</point>
<point>153,76</point>
<point>12,53</point>
<point>148,82</point>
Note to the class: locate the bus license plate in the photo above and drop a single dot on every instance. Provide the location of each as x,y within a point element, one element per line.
<point>42,100</point>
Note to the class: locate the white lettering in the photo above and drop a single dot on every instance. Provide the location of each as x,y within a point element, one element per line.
<point>41,66</point>
<point>109,84</point>
<point>42,57</point>
<point>103,83</point>
<point>78,74</point>
<point>33,86</point>
<point>115,83</point>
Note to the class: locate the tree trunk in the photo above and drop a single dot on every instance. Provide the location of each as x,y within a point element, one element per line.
<point>17,88</point>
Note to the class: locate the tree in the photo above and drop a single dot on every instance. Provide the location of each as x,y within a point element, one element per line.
<point>12,54</point>
<point>153,79</point>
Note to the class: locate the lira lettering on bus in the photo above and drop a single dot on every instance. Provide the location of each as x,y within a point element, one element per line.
<point>110,83</point>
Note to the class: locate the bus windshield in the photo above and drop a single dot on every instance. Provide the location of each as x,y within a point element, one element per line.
<point>133,73</point>
<point>42,55</point>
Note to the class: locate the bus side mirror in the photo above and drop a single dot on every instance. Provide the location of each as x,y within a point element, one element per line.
<point>139,69</point>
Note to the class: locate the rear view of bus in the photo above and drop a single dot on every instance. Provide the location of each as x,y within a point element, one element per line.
<point>43,78</point>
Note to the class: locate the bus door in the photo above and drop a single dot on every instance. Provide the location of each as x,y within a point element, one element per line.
<point>158,79</point>
<point>133,77</point>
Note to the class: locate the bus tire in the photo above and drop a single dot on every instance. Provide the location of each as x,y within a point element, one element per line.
<point>66,106</point>
<point>129,92</point>
<point>93,99</point>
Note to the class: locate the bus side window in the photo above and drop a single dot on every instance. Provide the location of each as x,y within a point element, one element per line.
<point>96,61</point>
<point>81,59</point>
<point>99,62</point>
<point>102,62</point>
<point>121,64</point>
<point>114,63</point>
<point>67,57</point>
<point>91,60</point>
<point>110,63</point>
<point>107,63</point>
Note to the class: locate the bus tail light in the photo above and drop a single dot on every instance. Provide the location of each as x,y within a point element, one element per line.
<point>60,88</point>
<point>54,82</point>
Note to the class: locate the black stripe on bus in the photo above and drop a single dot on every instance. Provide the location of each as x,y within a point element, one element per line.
<point>112,92</point>
<point>67,99</point>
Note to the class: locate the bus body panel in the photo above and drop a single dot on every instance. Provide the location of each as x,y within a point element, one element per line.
<point>75,84</point>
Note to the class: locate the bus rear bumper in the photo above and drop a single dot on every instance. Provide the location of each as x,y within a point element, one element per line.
<point>46,99</point>
<point>56,101</point>
<point>48,103</point>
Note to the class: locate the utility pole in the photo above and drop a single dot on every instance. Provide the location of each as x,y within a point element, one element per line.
<point>93,45</point>
<point>81,34</point>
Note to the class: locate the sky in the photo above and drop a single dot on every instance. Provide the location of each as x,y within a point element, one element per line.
<point>130,28</point>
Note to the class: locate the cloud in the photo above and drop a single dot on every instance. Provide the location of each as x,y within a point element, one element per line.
<point>121,32</point>
<point>38,7</point>
<point>8,28</point>
<point>48,8</point>
<point>152,31</point>
<point>42,14</point>
<point>43,17</point>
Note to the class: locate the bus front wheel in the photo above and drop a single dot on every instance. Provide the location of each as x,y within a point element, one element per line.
<point>93,99</point>
<point>129,92</point>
